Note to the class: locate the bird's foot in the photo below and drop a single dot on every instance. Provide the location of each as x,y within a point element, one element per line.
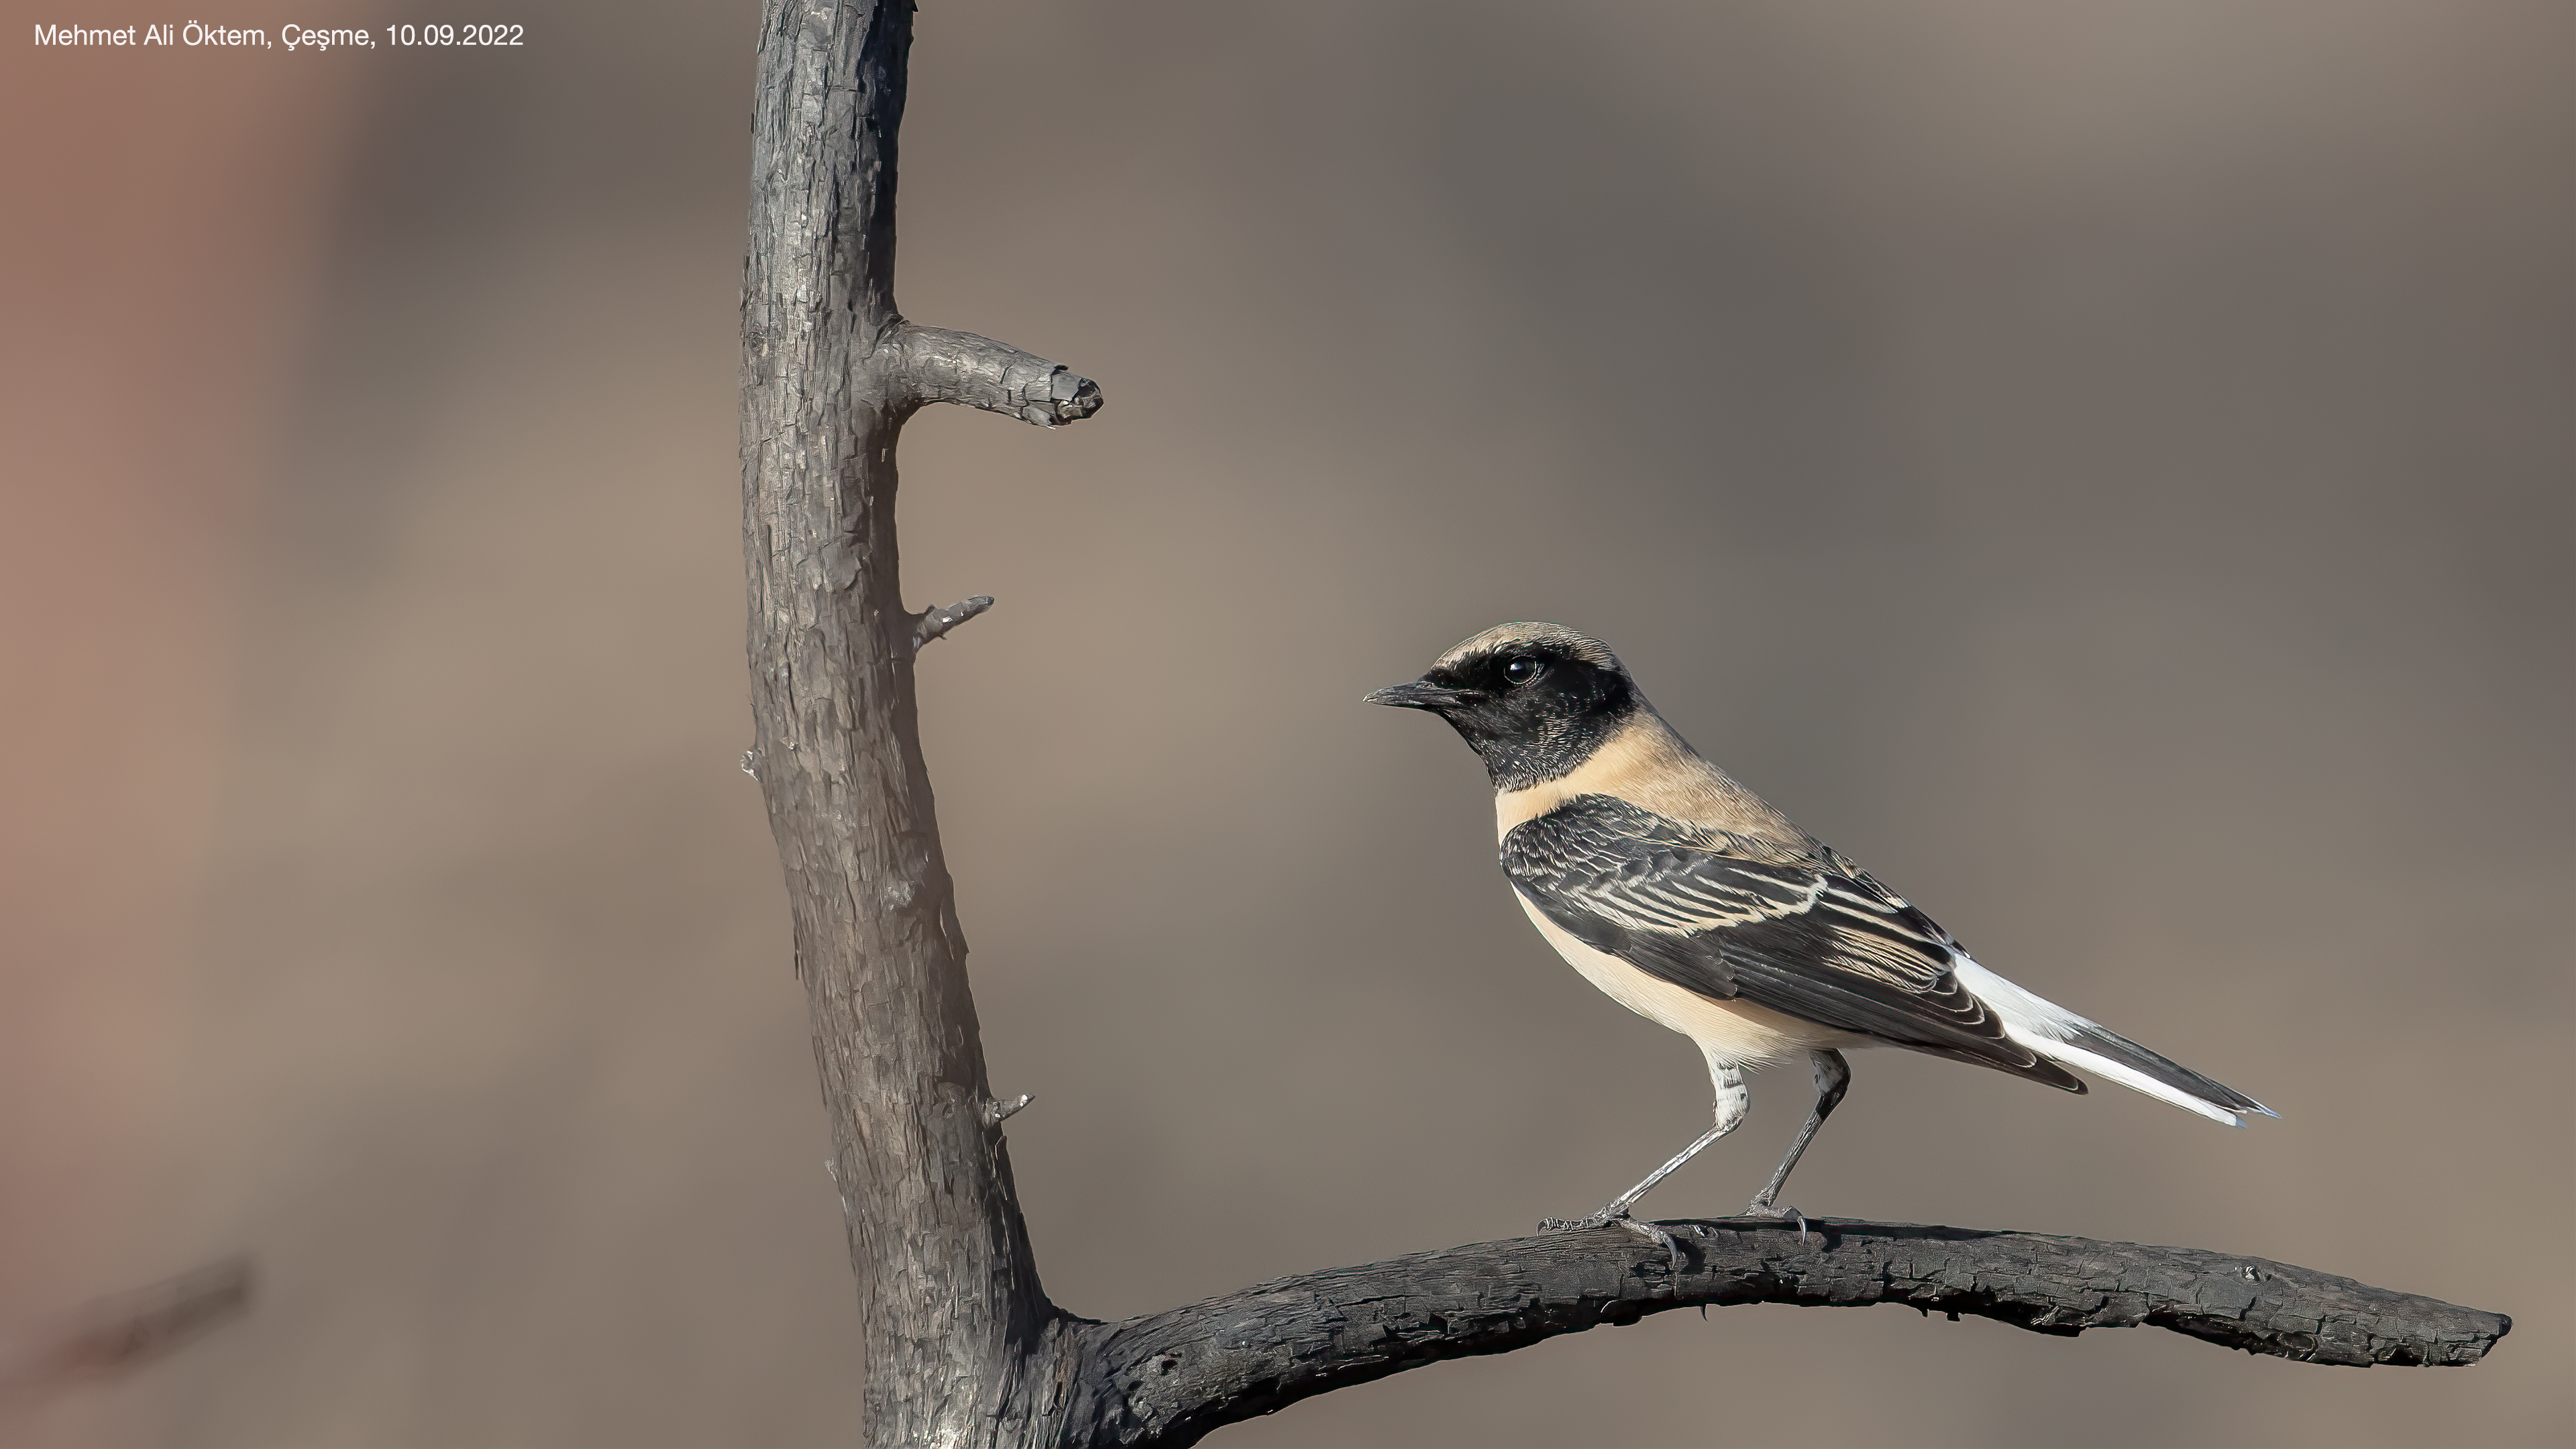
<point>1602,1219</point>
<point>1656,1232</point>
<point>1768,1213</point>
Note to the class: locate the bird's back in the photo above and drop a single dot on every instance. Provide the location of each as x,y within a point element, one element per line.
<point>1649,765</point>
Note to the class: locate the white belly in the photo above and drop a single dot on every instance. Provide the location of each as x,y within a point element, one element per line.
<point>1728,1033</point>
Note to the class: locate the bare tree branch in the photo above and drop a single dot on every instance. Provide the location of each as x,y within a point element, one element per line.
<point>1167,1378</point>
<point>960,367</point>
<point>121,1334</point>
<point>935,623</point>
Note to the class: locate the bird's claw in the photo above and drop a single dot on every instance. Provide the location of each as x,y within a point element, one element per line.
<point>1654,1231</point>
<point>1601,1219</point>
<point>1769,1213</point>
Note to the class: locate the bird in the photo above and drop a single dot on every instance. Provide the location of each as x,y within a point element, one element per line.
<point>1688,899</point>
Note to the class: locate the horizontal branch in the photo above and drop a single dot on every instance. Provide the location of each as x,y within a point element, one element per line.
<point>933,364</point>
<point>1168,1378</point>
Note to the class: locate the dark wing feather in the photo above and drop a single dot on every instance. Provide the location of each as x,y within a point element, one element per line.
<point>1809,935</point>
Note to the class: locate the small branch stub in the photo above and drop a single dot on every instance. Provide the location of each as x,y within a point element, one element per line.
<point>933,623</point>
<point>997,1113</point>
<point>940,365</point>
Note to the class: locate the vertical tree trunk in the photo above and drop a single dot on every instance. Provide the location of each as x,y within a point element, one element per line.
<point>949,1296</point>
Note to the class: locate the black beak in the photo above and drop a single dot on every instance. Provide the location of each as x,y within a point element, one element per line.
<point>1419,695</point>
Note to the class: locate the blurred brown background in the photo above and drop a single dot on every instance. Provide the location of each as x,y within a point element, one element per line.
<point>2105,466</point>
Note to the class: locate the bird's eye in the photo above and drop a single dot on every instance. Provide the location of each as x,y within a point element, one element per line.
<point>1522,671</point>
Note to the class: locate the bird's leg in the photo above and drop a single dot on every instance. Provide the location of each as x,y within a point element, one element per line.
<point>1618,1207</point>
<point>1731,1100</point>
<point>1833,1078</point>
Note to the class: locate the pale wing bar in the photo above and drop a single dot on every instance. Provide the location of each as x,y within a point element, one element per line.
<point>1811,936</point>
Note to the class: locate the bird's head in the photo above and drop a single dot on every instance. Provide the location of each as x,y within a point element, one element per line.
<point>1534,700</point>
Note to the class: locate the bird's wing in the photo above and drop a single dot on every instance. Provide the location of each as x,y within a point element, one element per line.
<point>1808,934</point>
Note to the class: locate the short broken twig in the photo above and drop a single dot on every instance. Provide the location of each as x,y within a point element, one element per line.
<point>933,623</point>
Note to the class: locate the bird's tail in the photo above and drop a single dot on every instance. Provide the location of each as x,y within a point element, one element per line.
<point>2062,1036</point>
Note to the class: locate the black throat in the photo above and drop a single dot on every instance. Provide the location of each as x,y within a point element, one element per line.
<point>1554,750</point>
<point>1546,729</point>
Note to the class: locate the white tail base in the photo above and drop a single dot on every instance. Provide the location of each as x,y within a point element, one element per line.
<point>2046,1028</point>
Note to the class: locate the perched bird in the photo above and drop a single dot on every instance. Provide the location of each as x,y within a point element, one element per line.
<point>1696,905</point>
